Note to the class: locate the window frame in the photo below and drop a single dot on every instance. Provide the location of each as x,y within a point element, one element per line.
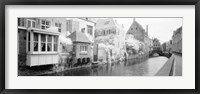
<point>45,24</point>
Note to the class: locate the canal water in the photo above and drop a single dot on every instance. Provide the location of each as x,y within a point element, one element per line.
<point>147,67</point>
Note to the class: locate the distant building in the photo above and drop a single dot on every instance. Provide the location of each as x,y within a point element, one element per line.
<point>156,44</point>
<point>38,40</point>
<point>139,33</point>
<point>177,40</point>
<point>137,30</point>
<point>169,46</point>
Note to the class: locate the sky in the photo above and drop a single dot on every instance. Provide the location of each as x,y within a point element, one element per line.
<point>161,28</point>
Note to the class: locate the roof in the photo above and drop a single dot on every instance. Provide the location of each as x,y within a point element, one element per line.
<point>79,37</point>
<point>135,24</point>
<point>103,23</point>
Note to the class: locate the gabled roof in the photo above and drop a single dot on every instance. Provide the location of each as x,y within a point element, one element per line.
<point>103,23</point>
<point>79,37</point>
<point>135,24</point>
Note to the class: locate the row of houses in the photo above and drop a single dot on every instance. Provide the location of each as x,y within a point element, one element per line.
<point>175,44</point>
<point>43,41</point>
<point>39,39</point>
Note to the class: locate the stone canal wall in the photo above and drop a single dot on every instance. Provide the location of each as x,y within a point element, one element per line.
<point>167,69</point>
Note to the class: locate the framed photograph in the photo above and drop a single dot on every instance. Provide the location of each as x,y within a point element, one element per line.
<point>127,46</point>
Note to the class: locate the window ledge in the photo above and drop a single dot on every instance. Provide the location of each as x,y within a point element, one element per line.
<point>40,53</point>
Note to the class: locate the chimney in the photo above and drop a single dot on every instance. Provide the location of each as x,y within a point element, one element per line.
<point>133,19</point>
<point>147,29</point>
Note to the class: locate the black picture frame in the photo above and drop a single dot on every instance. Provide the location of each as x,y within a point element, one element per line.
<point>3,3</point>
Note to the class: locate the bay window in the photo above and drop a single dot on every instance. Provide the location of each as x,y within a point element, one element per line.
<point>41,42</point>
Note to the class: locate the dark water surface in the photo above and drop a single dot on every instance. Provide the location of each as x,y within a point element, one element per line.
<point>147,67</point>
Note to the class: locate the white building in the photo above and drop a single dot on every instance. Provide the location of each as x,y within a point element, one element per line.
<point>110,33</point>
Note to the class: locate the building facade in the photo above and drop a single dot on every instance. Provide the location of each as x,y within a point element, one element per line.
<point>84,25</point>
<point>38,40</point>
<point>110,33</point>
<point>82,52</point>
<point>139,33</point>
<point>156,44</point>
<point>177,40</point>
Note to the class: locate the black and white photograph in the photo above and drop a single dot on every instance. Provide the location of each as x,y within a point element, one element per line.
<point>99,46</point>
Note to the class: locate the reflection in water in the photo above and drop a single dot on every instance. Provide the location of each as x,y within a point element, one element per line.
<point>148,67</point>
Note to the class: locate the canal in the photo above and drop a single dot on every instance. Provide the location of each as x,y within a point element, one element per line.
<point>147,67</point>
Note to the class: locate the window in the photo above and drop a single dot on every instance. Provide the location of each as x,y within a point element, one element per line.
<point>43,42</point>
<point>21,22</point>
<point>83,48</point>
<point>55,43</point>
<point>35,42</point>
<point>83,30</point>
<point>49,43</point>
<point>31,23</point>
<point>45,24</point>
<point>89,29</point>
<point>59,26</point>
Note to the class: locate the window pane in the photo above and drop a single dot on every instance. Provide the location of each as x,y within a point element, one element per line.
<point>49,47</point>
<point>43,42</point>
<point>43,27</point>
<point>47,22</point>
<point>59,30</point>
<point>43,46</point>
<point>49,38</point>
<point>43,38</point>
<point>55,47</point>
<point>18,21</point>
<point>35,37</point>
<point>56,39</point>
<point>29,23</point>
<point>55,43</point>
<point>43,22</point>
<point>33,24</point>
<point>35,46</point>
